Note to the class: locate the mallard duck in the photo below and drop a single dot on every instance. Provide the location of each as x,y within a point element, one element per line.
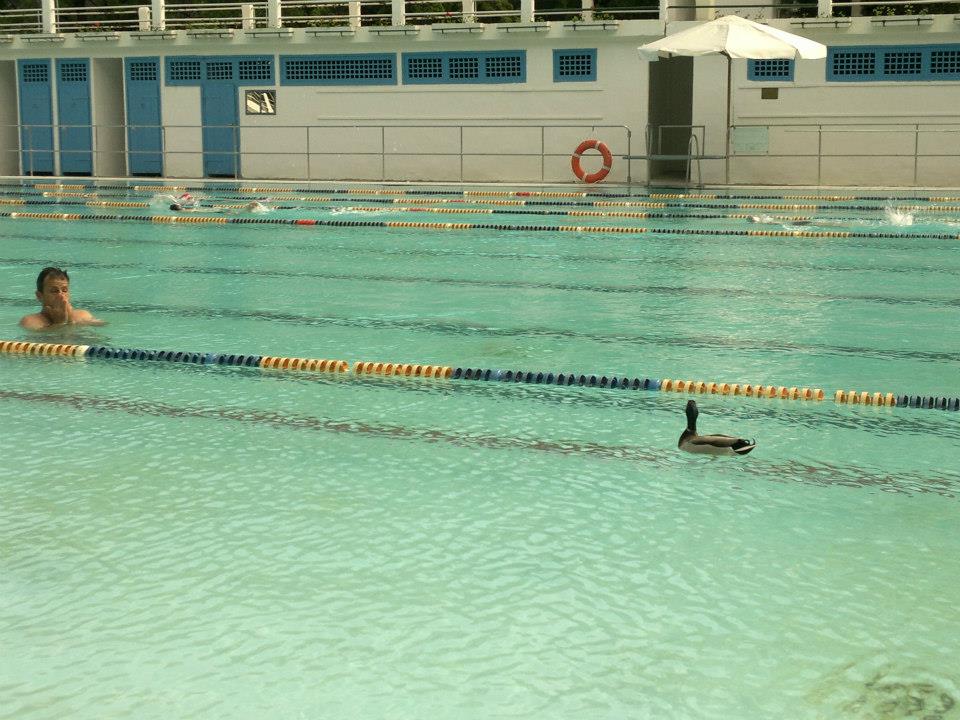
<point>710,444</point>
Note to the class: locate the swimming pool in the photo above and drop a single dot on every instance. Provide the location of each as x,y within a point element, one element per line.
<point>181,540</point>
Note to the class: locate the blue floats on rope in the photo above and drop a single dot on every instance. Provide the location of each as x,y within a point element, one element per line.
<point>194,358</point>
<point>549,378</point>
<point>929,402</point>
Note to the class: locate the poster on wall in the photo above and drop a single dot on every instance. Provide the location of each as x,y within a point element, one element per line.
<point>750,141</point>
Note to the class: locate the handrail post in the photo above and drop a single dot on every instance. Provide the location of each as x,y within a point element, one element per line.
<point>307,145</point>
<point>916,152</point>
<point>159,12</point>
<point>824,8</point>
<point>274,14</point>
<point>353,10</point>
<point>819,153</point>
<point>543,152</point>
<point>48,11</point>
<point>469,11</point>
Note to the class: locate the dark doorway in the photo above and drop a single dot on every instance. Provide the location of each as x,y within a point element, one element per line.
<point>670,115</point>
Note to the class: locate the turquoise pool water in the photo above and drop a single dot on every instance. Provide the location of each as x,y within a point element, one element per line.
<point>194,542</point>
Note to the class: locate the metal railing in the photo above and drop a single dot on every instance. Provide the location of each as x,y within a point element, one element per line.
<point>816,153</point>
<point>900,141</point>
<point>158,15</point>
<point>39,151</point>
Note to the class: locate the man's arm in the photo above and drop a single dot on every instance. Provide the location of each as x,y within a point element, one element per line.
<point>83,317</point>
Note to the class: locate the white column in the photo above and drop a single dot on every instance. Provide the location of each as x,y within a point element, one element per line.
<point>143,18</point>
<point>664,12</point>
<point>587,7</point>
<point>247,19</point>
<point>48,12</point>
<point>274,14</point>
<point>526,11</point>
<point>824,8</point>
<point>353,9</point>
<point>398,12</point>
<point>159,8</point>
<point>469,11</point>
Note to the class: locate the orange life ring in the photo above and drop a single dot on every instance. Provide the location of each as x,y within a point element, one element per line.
<point>599,174</point>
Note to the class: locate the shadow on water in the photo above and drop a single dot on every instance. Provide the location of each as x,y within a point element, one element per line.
<point>944,484</point>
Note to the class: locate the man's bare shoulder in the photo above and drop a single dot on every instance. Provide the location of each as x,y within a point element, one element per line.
<point>36,321</point>
<point>84,317</point>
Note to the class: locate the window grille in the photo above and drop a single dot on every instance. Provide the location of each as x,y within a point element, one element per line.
<point>338,69</point>
<point>464,67</point>
<point>503,66</point>
<point>220,70</point>
<point>573,65</point>
<point>184,70</point>
<point>853,63</point>
<point>770,70</point>
<point>35,72</point>
<point>902,63</point>
<point>73,72</point>
<point>143,71</point>
<point>945,62</point>
<point>255,69</point>
<point>425,68</point>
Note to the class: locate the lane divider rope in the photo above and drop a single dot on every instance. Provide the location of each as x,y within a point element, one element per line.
<point>444,372</point>
<point>442,210</point>
<point>405,196</point>
<point>608,229</point>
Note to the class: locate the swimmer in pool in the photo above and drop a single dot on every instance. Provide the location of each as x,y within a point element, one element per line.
<point>253,207</point>
<point>53,292</point>
<point>788,221</point>
<point>256,207</point>
<point>184,203</point>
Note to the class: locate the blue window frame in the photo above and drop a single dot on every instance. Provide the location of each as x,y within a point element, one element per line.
<point>465,67</point>
<point>575,65</point>
<point>356,69</point>
<point>196,69</point>
<point>770,70</point>
<point>893,62</point>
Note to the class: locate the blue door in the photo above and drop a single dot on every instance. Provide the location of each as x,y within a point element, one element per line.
<point>73,106</point>
<point>144,133</point>
<point>221,131</point>
<point>36,117</point>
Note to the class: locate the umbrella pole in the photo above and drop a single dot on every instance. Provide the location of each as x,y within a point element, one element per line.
<point>729,101</point>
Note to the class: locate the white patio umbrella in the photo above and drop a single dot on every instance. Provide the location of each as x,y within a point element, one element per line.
<point>734,37</point>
